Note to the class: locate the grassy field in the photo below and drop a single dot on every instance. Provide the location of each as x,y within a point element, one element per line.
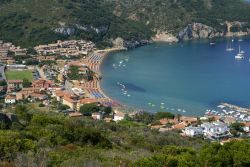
<point>19,75</point>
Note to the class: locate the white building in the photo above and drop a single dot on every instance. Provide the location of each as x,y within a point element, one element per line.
<point>118,116</point>
<point>215,129</point>
<point>246,127</point>
<point>10,99</point>
<point>193,131</point>
<point>97,116</point>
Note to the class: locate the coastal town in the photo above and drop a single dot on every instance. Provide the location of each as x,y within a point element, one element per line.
<point>65,76</point>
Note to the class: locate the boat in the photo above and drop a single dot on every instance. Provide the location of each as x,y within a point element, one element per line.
<point>212,43</point>
<point>240,55</point>
<point>242,51</point>
<point>229,47</point>
<point>240,40</point>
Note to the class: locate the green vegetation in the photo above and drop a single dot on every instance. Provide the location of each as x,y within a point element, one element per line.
<point>62,107</point>
<point>231,154</point>
<point>90,108</point>
<point>74,74</point>
<point>26,83</point>
<point>236,128</point>
<point>3,83</point>
<point>28,22</point>
<point>25,74</point>
<point>161,115</point>
<point>53,139</point>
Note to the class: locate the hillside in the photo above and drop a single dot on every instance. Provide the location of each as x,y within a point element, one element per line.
<point>31,22</point>
<point>36,138</point>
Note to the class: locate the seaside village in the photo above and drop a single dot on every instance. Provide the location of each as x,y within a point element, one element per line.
<point>64,76</point>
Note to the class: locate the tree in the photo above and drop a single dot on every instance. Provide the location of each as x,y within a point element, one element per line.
<point>26,83</point>
<point>62,107</point>
<point>31,51</point>
<point>23,114</point>
<point>236,128</point>
<point>10,53</point>
<point>3,83</point>
<point>41,105</point>
<point>88,109</point>
<point>144,117</point>
<point>108,110</point>
<point>161,115</point>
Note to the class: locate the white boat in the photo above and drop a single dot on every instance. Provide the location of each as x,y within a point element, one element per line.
<point>242,52</point>
<point>240,55</point>
<point>229,47</point>
<point>240,40</point>
<point>212,43</point>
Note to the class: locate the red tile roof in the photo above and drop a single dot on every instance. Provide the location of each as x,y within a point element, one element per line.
<point>88,100</point>
<point>10,97</point>
<point>75,114</point>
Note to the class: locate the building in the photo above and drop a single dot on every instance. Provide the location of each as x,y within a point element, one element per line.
<point>119,116</point>
<point>188,120</point>
<point>10,99</point>
<point>70,101</point>
<point>16,66</point>
<point>228,120</point>
<point>193,131</point>
<point>15,84</point>
<point>246,127</point>
<point>180,126</point>
<point>42,84</point>
<point>215,129</point>
<point>75,114</point>
<point>58,94</point>
<point>26,92</point>
<point>82,102</point>
<point>97,116</point>
<point>38,96</point>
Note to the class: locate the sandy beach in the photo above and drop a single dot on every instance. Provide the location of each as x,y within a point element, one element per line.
<point>94,62</point>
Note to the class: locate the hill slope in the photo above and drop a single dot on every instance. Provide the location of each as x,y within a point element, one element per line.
<point>31,22</point>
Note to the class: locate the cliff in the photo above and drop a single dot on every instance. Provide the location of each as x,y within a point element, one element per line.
<point>198,31</point>
<point>202,31</point>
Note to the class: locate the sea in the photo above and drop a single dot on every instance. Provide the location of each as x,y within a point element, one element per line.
<point>187,78</point>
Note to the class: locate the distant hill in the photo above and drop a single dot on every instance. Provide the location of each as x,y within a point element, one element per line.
<point>32,22</point>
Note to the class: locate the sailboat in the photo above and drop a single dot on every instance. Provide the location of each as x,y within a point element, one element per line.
<point>229,47</point>
<point>212,43</point>
<point>240,55</point>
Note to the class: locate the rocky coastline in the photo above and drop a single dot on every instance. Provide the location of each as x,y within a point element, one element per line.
<point>196,31</point>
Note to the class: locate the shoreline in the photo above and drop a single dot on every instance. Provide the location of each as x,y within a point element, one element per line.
<point>102,55</point>
<point>106,52</point>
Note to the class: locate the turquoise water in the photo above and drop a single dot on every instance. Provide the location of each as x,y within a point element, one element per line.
<point>185,78</point>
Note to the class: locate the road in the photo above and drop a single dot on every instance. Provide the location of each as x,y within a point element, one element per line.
<point>2,77</point>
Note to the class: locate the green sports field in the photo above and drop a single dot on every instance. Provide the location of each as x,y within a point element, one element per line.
<point>12,75</point>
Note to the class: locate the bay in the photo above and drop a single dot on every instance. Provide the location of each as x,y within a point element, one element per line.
<point>186,78</point>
